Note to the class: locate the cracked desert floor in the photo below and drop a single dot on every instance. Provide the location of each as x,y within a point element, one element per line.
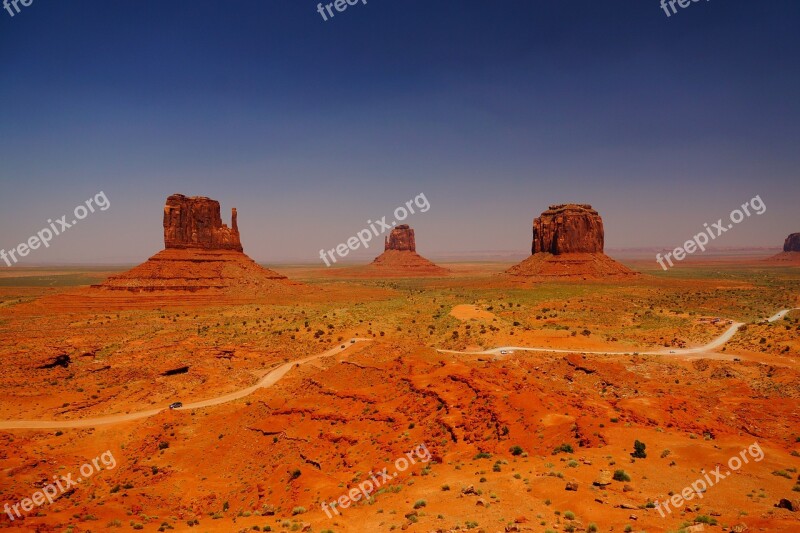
<point>517,440</point>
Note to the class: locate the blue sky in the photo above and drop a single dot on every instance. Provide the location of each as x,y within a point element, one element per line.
<point>493,110</point>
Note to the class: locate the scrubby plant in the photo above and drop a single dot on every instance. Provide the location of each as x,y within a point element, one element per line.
<point>621,475</point>
<point>638,450</point>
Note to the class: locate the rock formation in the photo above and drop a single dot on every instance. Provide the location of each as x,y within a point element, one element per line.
<point>568,228</point>
<point>400,257</point>
<point>791,252</point>
<point>568,242</point>
<point>792,243</point>
<point>401,239</point>
<point>201,255</point>
<point>195,222</point>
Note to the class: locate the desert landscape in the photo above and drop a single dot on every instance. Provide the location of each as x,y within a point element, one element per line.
<point>425,267</point>
<point>528,389</point>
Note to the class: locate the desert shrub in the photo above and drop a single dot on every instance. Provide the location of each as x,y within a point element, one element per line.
<point>621,475</point>
<point>565,448</point>
<point>638,450</point>
<point>703,519</point>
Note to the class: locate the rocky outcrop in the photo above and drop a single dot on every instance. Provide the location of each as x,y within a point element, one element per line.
<point>201,255</point>
<point>791,252</point>
<point>195,222</point>
<point>568,228</point>
<point>568,242</point>
<point>792,243</point>
<point>398,260</point>
<point>401,239</point>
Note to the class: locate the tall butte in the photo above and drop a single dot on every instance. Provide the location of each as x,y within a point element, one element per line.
<point>568,242</point>
<point>201,254</point>
<point>400,257</point>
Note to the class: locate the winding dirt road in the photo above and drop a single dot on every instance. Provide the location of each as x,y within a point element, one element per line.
<point>707,348</point>
<point>275,375</point>
<point>270,379</point>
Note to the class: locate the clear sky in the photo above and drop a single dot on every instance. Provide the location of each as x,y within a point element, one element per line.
<point>492,109</point>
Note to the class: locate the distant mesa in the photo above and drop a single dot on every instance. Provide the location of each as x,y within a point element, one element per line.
<point>201,254</point>
<point>400,257</point>
<point>791,252</point>
<point>792,243</point>
<point>568,241</point>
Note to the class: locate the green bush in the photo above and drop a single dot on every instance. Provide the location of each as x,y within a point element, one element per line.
<point>564,448</point>
<point>621,475</point>
<point>638,450</point>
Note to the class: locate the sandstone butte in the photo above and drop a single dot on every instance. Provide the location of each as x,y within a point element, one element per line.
<point>201,254</point>
<point>568,241</point>
<point>791,251</point>
<point>400,257</point>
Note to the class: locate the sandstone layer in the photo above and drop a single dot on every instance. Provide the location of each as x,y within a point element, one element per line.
<point>568,242</point>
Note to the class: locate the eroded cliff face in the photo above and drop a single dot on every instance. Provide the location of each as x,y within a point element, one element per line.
<point>792,243</point>
<point>401,239</point>
<point>568,228</point>
<point>195,222</point>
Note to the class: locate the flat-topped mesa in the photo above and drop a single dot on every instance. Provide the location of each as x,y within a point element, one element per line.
<point>195,222</point>
<point>568,244</point>
<point>568,228</point>
<point>401,239</point>
<point>792,243</point>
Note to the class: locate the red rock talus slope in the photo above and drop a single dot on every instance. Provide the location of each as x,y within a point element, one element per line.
<point>193,270</point>
<point>400,257</point>
<point>568,242</point>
